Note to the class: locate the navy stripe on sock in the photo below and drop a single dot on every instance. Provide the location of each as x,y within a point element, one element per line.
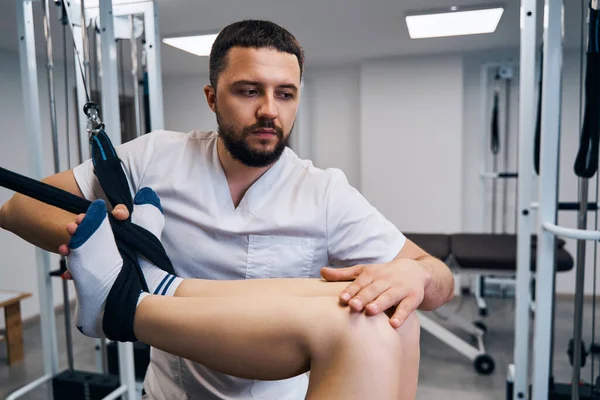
<point>168,285</point>
<point>161,284</point>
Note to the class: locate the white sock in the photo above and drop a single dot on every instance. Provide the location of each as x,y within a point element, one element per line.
<point>147,213</point>
<point>94,262</point>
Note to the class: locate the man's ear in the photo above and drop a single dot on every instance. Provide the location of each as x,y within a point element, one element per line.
<point>211,96</point>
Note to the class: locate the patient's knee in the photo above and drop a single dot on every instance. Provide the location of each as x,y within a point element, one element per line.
<point>410,331</point>
<point>337,326</point>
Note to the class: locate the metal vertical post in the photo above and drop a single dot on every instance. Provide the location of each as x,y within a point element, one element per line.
<point>579,288</point>
<point>483,102</point>
<point>135,78</point>
<point>56,160</point>
<point>112,121</point>
<point>548,193</point>
<point>507,102</point>
<point>33,125</point>
<point>157,119</point>
<point>525,196</point>
<point>84,147</point>
<point>582,216</point>
<point>110,79</point>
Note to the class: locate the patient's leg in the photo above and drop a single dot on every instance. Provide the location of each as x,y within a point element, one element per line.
<point>350,355</point>
<point>275,336</point>
<point>260,287</point>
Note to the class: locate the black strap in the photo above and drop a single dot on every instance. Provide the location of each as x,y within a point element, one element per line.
<point>538,120</point>
<point>43,192</point>
<point>495,129</point>
<point>586,162</point>
<point>131,239</point>
<point>112,179</point>
<point>108,170</point>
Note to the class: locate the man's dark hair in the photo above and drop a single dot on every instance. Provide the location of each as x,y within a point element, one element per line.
<point>251,34</point>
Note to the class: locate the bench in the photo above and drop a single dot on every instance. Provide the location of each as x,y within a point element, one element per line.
<point>13,333</point>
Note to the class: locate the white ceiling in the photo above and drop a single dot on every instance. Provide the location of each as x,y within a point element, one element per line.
<point>331,31</point>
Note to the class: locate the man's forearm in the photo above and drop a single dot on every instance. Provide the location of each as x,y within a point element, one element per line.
<point>38,223</point>
<point>440,286</point>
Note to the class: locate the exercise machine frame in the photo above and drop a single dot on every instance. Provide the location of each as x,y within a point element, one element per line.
<point>106,12</point>
<point>547,207</point>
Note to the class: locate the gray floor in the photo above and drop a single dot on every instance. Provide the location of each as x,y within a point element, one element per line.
<point>445,374</point>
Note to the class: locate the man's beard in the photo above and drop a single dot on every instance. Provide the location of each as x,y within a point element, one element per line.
<point>236,143</point>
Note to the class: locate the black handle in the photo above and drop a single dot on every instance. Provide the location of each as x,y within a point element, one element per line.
<point>495,139</point>
<point>574,206</point>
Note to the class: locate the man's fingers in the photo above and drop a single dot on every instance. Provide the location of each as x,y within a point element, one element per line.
<point>67,276</point>
<point>63,250</point>
<point>71,228</point>
<point>353,289</point>
<point>80,218</point>
<point>341,274</point>
<point>384,301</point>
<point>120,212</point>
<point>368,294</point>
<point>403,310</point>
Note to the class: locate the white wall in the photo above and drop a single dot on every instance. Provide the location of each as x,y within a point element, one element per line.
<point>185,104</point>
<point>411,141</point>
<point>334,96</point>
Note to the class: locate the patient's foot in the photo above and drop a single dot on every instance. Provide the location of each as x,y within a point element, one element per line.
<point>108,290</point>
<point>147,213</point>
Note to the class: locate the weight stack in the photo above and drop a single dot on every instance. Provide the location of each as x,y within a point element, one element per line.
<point>81,385</point>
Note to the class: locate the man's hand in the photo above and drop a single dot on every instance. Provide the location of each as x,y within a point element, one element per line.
<point>120,212</point>
<point>376,288</point>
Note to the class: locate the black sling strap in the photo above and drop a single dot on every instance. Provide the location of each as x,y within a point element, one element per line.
<point>131,239</point>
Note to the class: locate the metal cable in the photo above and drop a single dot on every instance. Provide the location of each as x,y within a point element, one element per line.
<point>593,340</point>
<point>79,62</point>
<point>66,78</point>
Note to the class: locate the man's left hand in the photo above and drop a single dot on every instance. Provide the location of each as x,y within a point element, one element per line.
<point>379,287</point>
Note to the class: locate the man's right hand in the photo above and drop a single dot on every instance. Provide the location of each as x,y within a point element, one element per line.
<point>120,212</point>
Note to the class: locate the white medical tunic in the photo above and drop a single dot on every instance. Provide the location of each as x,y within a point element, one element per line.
<point>291,222</point>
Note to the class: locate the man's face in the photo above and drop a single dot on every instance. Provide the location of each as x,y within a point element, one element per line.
<point>256,102</point>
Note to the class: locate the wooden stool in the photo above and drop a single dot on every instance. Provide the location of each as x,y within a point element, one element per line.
<point>13,333</point>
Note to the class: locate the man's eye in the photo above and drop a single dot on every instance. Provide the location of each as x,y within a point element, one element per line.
<point>287,96</point>
<point>250,92</point>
